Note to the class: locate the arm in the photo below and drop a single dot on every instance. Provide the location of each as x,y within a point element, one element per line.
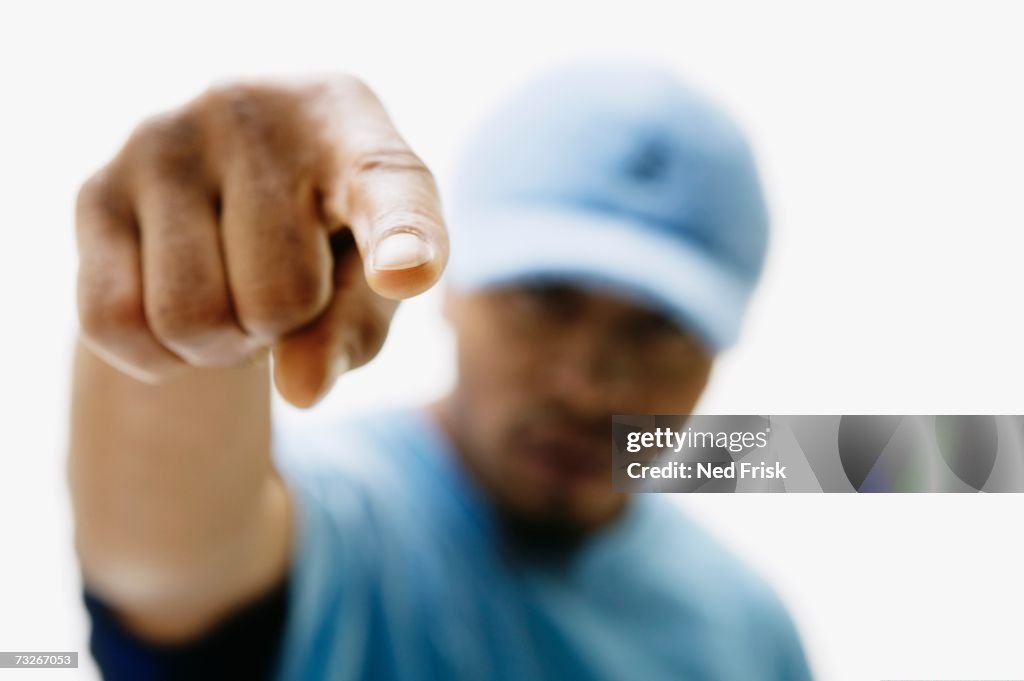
<point>179,516</point>
<point>260,217</point>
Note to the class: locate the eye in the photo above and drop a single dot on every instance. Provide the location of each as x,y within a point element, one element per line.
<point>548,299</point>
<point>651,328</point>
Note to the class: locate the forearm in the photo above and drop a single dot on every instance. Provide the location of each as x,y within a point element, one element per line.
<point>172,484</point>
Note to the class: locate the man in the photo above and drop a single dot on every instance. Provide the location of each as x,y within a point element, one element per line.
<point>608,228</point>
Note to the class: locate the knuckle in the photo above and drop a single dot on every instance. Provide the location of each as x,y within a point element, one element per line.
<point>189,319</point>
<point>281,307</point>
<point>386,161</point>
<point>304,291</point>
<point>248,110</point>
<point>236,98</point>
<point>168,146</point>
<point>96,197</point>
<point>236,92</point>
<point>259,124</point>
<point>174,126</point>
<point>105,317</point>
<point>90,193</point>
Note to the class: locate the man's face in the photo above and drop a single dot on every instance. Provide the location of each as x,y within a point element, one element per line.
<point>542,367</point>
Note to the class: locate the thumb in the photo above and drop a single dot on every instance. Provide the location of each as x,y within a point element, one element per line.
<point>390,202</point>
<point>380,189</point>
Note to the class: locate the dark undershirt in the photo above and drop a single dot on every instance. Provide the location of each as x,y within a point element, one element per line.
<point>244,646</point>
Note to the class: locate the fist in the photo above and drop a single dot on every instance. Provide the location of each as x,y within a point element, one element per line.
<point>281,216</point>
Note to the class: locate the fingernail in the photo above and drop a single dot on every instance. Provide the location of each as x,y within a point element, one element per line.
<point>400,251</point>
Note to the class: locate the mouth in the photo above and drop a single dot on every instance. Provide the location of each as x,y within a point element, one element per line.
<point>565,457</point>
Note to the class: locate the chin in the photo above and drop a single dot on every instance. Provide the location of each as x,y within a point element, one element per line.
<point>548,527</point>
<point>557,518</point>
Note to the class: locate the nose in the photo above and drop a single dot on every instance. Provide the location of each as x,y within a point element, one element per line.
<point>588,371</point>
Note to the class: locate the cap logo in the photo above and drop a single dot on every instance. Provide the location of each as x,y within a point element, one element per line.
<point>650,162</point>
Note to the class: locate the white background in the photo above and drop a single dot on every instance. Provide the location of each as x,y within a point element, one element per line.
<point>890,137</point>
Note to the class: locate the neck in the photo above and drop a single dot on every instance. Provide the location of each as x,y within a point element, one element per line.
<point>444,412</point>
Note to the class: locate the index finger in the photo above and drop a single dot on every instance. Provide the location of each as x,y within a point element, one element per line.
<point>379,188</point>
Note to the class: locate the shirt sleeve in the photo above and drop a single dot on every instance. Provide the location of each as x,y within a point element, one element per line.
<point>244,646</point>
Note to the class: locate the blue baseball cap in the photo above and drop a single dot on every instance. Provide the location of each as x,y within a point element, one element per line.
<point>620,176</point>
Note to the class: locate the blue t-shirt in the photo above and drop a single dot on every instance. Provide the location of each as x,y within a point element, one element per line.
<point>399,572</point>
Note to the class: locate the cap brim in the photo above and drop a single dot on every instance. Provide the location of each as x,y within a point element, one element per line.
<point>701,294</point>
